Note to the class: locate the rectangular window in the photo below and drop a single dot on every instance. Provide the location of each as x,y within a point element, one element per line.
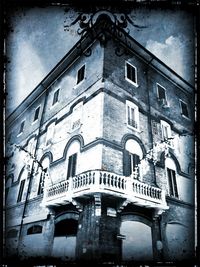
<point>71,170</point>
<point>161,92</point>
<point>41,183</point>
<point>21,190</point>
<point>37,111</point>
<point>81,74</point>
<point>55,97</point>
<point>132,115</point>
<point>131,73</point>
<point>21,129</point>
<point>184,109</point>
<point>171,175</point>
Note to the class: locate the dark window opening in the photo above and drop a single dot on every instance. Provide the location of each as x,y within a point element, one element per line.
<point>81,74</point>
<point>67,227</point>
<point>161,92</point>
<point>184,109</point>
<point>21,129</point>
<point>131,73</point>
<point>173,191</point>
<point>55,97</point>
<point>21,189</point>
<point>36,116</point>
<point>41,183</point>
<point>71,171</point>
<point>35,229</point>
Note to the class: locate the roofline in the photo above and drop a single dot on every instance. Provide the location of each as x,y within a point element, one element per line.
<point>85,42</point>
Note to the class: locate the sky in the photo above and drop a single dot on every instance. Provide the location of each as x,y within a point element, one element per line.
<point>37,41</point>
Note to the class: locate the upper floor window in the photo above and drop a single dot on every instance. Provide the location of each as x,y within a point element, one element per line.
<point>55,97</point>
<point>80,74</point>
<point>21,129</point>
<point>36,116</point>
<point>21,190</point>
<point>172,185</point>
<point>184,109</point>
<point>71,170</point>
<point>132,115</point>
<point>131,73</point>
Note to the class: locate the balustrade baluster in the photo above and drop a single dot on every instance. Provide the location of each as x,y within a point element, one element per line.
<point>119,182</point>
<point>100,178</point>
<point>108,179</point>
<point>104,178</point>
<point>93,178</point>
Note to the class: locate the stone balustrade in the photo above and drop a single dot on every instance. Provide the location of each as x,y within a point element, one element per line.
<point>91,182</point>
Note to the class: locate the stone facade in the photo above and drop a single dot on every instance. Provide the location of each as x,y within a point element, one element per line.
<point>88,207</point>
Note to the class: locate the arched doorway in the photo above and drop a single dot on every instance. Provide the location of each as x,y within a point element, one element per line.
<point>64,244</point>
<point>137,245</point>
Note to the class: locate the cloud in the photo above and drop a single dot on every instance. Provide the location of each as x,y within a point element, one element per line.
<point>27,76</point>
<point>170,52</point>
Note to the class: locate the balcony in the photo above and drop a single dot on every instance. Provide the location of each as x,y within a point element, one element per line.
<point>91,182</point>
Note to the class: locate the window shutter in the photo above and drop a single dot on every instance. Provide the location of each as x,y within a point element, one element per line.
<point>174,182</point>
<point>126,163</point>
<point>71,166</point>
<point>74,157</point>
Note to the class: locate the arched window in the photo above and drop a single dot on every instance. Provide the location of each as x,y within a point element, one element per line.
<point>72,156</point>
<point>35,229</point>
<point>132,156</point>
<point>44,172</point>
<point>171,177</point>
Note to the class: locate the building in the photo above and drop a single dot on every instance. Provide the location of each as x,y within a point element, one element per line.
<point>101,156</point>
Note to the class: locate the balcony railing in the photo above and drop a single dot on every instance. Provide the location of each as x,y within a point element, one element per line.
<point>91,182</point>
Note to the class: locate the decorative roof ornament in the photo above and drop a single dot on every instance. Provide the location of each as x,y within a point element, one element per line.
<point>87,21</point>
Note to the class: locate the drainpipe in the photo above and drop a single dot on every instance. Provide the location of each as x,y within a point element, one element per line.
<point>32,171</point>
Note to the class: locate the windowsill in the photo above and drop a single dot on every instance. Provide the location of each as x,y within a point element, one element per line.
<point>185,117</point>
<point>54,105</point>
<point>133,128</point>
<point>19,134</point>
<point>34,122</point>
<point>133,83</point>
<point>77,85</point>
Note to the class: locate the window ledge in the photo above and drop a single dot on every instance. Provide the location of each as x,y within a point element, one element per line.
<point>133,128</point>
<point>133,83</point>
<point>77,85</point>
<point>34,122</point>
<point>19,134</point>
<point>54,105</point>
<point>185,117</point>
